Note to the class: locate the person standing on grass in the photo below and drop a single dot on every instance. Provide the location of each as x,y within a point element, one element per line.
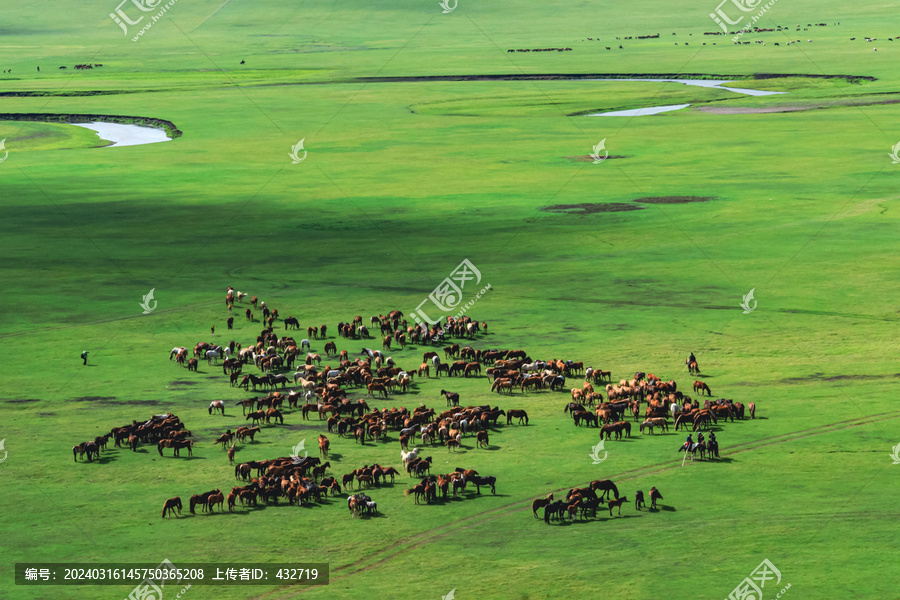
<point>84,356</point>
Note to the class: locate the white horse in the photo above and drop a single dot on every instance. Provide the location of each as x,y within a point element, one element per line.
<point>408,456</point>
<point>673,408</point>
<point>304,344</point>
<point>217,405</point>
<point>212,355</point>
<point>240,296</point>
<point>435,361</point>
<point>333,373</point>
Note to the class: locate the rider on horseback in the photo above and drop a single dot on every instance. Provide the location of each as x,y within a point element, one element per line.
<point>691,358</point>
<point>700,438</point>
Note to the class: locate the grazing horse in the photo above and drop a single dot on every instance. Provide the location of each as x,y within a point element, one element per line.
<point>540,503</point>
<point>480,481</point>
<point>513,413</point>
<point>170,505</point>
<point>192,365</point>
<point>257,416</point>
<point>452,398</point>
<point>639,499</point>
<point>274,413</point>
<point>607,486</point>
<point>323,445</point>
<point>702,387</point>
<point>481,439</point>
<point>617,503</point>
<point>654,496</point>
<point>217,405</point>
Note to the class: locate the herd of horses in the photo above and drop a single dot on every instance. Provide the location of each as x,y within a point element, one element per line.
<point>432,486</point>
<point>167,431</point>
<point>324,391</point>
<point>584,502</point>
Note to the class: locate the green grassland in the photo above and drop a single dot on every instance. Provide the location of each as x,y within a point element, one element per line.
<point>406,176</point>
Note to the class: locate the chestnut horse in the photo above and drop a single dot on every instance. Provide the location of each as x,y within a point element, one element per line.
<point>323,445</point>
<point>617,503</point>
<point>540,503</point>
<point>702,387</point>
<point>170,505</point>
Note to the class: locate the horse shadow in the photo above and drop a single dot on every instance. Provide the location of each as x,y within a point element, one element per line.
<point>334,456</point>
<point>663,507</point>
<point>725,460</point>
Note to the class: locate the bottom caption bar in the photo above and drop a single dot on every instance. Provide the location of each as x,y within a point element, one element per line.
<point>153,577</point>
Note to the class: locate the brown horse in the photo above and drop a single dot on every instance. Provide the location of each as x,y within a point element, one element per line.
<point>693,369</point>
<point>606,486</point>
<point>231,454</point>
<point>274,413</point>
<point>256,416</point>
<point>516,413</point>
<point>752,408</point>
<point>654,496</point>
<point>540,503</point>
<point>202,499</point>
<point>702,387</point>
<point>192,365</point>
<point>170,505</point>
<point>323,445</point>
<point>617,503</point>
<point>482,440</point>
<point>216,499</point>
<point>319,470</point>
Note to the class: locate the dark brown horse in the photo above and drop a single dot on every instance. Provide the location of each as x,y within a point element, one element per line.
<point>702,387</point>
<point>170,505</point>
<point>606,486</point>
<point>516,413</point>
<point>202,499</point>
<point>540,503</point>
